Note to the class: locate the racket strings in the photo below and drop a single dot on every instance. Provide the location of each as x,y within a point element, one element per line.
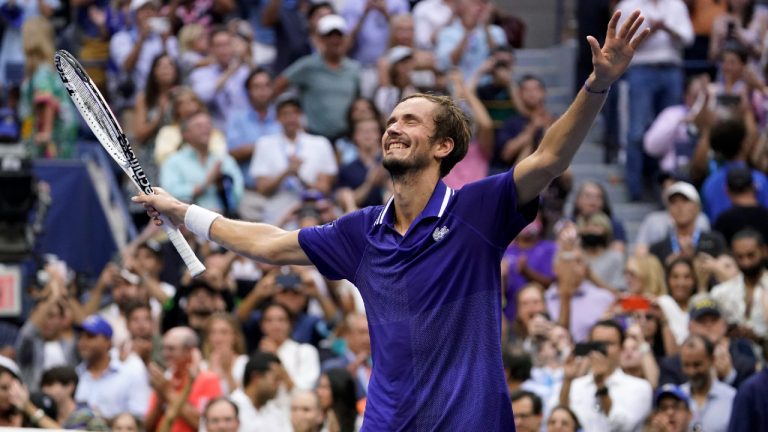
<point>93,112</point>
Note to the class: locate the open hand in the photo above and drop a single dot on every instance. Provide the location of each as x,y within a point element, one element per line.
<point>612,59</point>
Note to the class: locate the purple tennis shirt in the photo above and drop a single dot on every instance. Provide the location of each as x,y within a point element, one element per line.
<point>433,303</point>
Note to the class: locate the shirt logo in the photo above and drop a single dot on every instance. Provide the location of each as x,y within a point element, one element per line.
<point>440,233</point>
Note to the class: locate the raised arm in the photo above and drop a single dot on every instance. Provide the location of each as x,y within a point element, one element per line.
<point>262,242</point>
<point>564,137</point>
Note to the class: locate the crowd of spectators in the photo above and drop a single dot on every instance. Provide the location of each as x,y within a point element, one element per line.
<point>273,111</point>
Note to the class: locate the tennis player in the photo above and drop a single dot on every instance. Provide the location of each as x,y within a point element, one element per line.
<point>427,262</point>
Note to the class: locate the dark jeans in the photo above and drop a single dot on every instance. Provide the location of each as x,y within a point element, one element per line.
<point>651,89</point>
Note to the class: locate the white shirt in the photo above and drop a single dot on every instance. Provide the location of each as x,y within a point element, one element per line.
<point>730,297</point>
<point>270,157</point>
<point>429,16</point>
<point>237,372</point>
<point>302,363</point>
<point>630,403</point>
<point>660,47</point>
<point>677,319</point>
<point>275,416</point>
<point>53,355</point>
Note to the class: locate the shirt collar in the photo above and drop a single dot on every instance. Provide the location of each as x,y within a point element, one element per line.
<point>435,207</point>
<point>270,117</point>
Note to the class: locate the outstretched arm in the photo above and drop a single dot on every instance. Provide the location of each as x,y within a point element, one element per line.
<point>263,242</point>
<point>564,137</point>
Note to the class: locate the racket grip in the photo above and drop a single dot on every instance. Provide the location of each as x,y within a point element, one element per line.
<point>182,247</point>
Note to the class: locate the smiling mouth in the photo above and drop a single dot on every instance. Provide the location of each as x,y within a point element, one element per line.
<point>395,145</point>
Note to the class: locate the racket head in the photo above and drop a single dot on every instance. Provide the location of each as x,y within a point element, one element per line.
<point>98,116</point>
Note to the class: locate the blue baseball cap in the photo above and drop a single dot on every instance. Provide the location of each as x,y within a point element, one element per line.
<point>670,390</point>
<point>97,325</point>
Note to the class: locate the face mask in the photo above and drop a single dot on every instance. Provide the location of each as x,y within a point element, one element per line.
<point>753,272</point>
<point>590,240</point>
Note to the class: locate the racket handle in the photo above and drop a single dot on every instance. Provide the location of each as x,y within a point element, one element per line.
<point>182,247</point>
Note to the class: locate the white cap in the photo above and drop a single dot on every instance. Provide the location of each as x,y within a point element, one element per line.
<point>10,365</point>
<point>330,23</point>
<point>682,188</point>
<point>398,54</point>
<point>138,4</point>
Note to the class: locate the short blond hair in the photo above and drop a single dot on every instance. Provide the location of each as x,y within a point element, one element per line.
<point>189,34</point>
<point>651,274</point>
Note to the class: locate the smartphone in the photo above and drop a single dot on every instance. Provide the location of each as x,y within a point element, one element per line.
<point>709,246</point>
<point>635,303</point>
<point>582,349</point>
<point>729,101</point>
<point>288,281</point>
<point>159,25</point>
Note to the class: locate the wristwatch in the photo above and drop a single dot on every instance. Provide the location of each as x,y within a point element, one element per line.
<point>37,416</point>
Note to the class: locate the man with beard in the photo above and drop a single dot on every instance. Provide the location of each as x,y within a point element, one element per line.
<point>743,300</point>
<point>734,360</point>
<point>427,263</point>
<point>711,400</point>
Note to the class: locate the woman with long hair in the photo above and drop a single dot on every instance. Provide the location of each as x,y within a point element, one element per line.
<point>224,350</point>
<point>682,286</point>
<point>336,391</point>
<point>49,121</point>
<point>153,103</point>
<point>301,361</point>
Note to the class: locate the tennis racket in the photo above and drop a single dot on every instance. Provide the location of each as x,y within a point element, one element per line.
<point>102,122</point>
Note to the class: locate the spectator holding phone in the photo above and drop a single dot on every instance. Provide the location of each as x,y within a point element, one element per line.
<point>606,398</point>
<point>134,50</point>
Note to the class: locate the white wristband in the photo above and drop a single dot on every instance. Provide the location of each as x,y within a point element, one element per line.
<point>199,221</point>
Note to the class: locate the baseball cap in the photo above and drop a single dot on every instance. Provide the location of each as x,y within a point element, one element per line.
<point>330,23</point>
<point>669,390</point>
<point>399,53</point>
<point>703,306</point>
<point>138,4</point>
<point>10,365</point>
<point>739,179</point>
<point>682,188</point>
<point>96,325</point>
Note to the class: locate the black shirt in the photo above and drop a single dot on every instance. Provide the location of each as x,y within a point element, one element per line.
<point>738,218</point>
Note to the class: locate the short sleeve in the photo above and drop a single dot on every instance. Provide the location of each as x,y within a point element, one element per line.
<point>296,73</point>
<point>502,217</point>
<point>336,248</point>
